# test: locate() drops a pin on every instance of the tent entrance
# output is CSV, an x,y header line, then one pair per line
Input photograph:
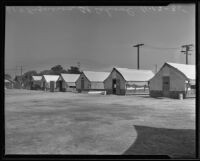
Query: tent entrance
x,y
114,86
166,86
60,86
82,83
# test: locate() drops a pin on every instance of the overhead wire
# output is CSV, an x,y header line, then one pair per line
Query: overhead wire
x,y
161,48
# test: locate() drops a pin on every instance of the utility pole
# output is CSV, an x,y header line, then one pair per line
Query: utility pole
x,y
21,70
16,71
187,48
138,54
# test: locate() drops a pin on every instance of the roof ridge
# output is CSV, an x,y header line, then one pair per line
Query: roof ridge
x,y
180,64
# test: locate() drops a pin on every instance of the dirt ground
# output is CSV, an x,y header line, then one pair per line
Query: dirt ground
x,y
38,122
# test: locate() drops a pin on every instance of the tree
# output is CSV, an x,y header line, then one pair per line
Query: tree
x,y
57,68
46,72
26,78
74,70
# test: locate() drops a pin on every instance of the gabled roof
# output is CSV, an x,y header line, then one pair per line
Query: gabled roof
x,y
70,77
7,81
49,78
37,78
135,74
96,76
187,70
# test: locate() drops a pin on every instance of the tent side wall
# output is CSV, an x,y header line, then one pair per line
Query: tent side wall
x,y
97,86
109,86
137,87
64,85
87,83
36,84
70,87
177,83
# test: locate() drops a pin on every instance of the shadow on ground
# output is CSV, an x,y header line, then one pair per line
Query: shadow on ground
x,y
147,96
176,143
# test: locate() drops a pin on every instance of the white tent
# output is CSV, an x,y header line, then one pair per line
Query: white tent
x,y
135,74
70,79
187,70
96,76
46,79
49,78
36,78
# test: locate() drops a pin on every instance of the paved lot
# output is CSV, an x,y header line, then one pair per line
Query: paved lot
x,y
40,122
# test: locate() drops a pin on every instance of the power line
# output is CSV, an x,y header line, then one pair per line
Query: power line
x,y
161,48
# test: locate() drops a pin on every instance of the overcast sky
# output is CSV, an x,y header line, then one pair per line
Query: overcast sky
x,y
98,37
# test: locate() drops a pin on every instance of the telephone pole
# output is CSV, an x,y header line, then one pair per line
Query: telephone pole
x,y
138,54
21,70
187,48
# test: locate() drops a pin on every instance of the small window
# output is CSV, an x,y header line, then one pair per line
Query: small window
x,y
193,86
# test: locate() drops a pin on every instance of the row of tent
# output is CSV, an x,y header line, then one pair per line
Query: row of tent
x,y
171,80
119,81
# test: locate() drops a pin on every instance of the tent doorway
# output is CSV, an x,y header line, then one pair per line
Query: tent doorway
x,y
166,86
60,86
82,83
114,86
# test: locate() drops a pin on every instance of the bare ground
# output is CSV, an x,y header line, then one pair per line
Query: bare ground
x,y
40,122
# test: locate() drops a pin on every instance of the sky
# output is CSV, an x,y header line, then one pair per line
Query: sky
x,y
100,38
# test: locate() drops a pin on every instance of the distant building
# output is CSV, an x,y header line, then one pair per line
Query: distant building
x,y
67,82
122,81
36,82
91,81
50,82
173,79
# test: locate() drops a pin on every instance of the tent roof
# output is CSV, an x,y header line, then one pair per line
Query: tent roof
x,y
37,78
9,80
70,77
187,70
6,81
96,76
135,74
49,78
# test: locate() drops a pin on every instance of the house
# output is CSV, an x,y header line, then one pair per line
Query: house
x,y
172,80
8,84
67,82
91,81
49,82
122,81
36,82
